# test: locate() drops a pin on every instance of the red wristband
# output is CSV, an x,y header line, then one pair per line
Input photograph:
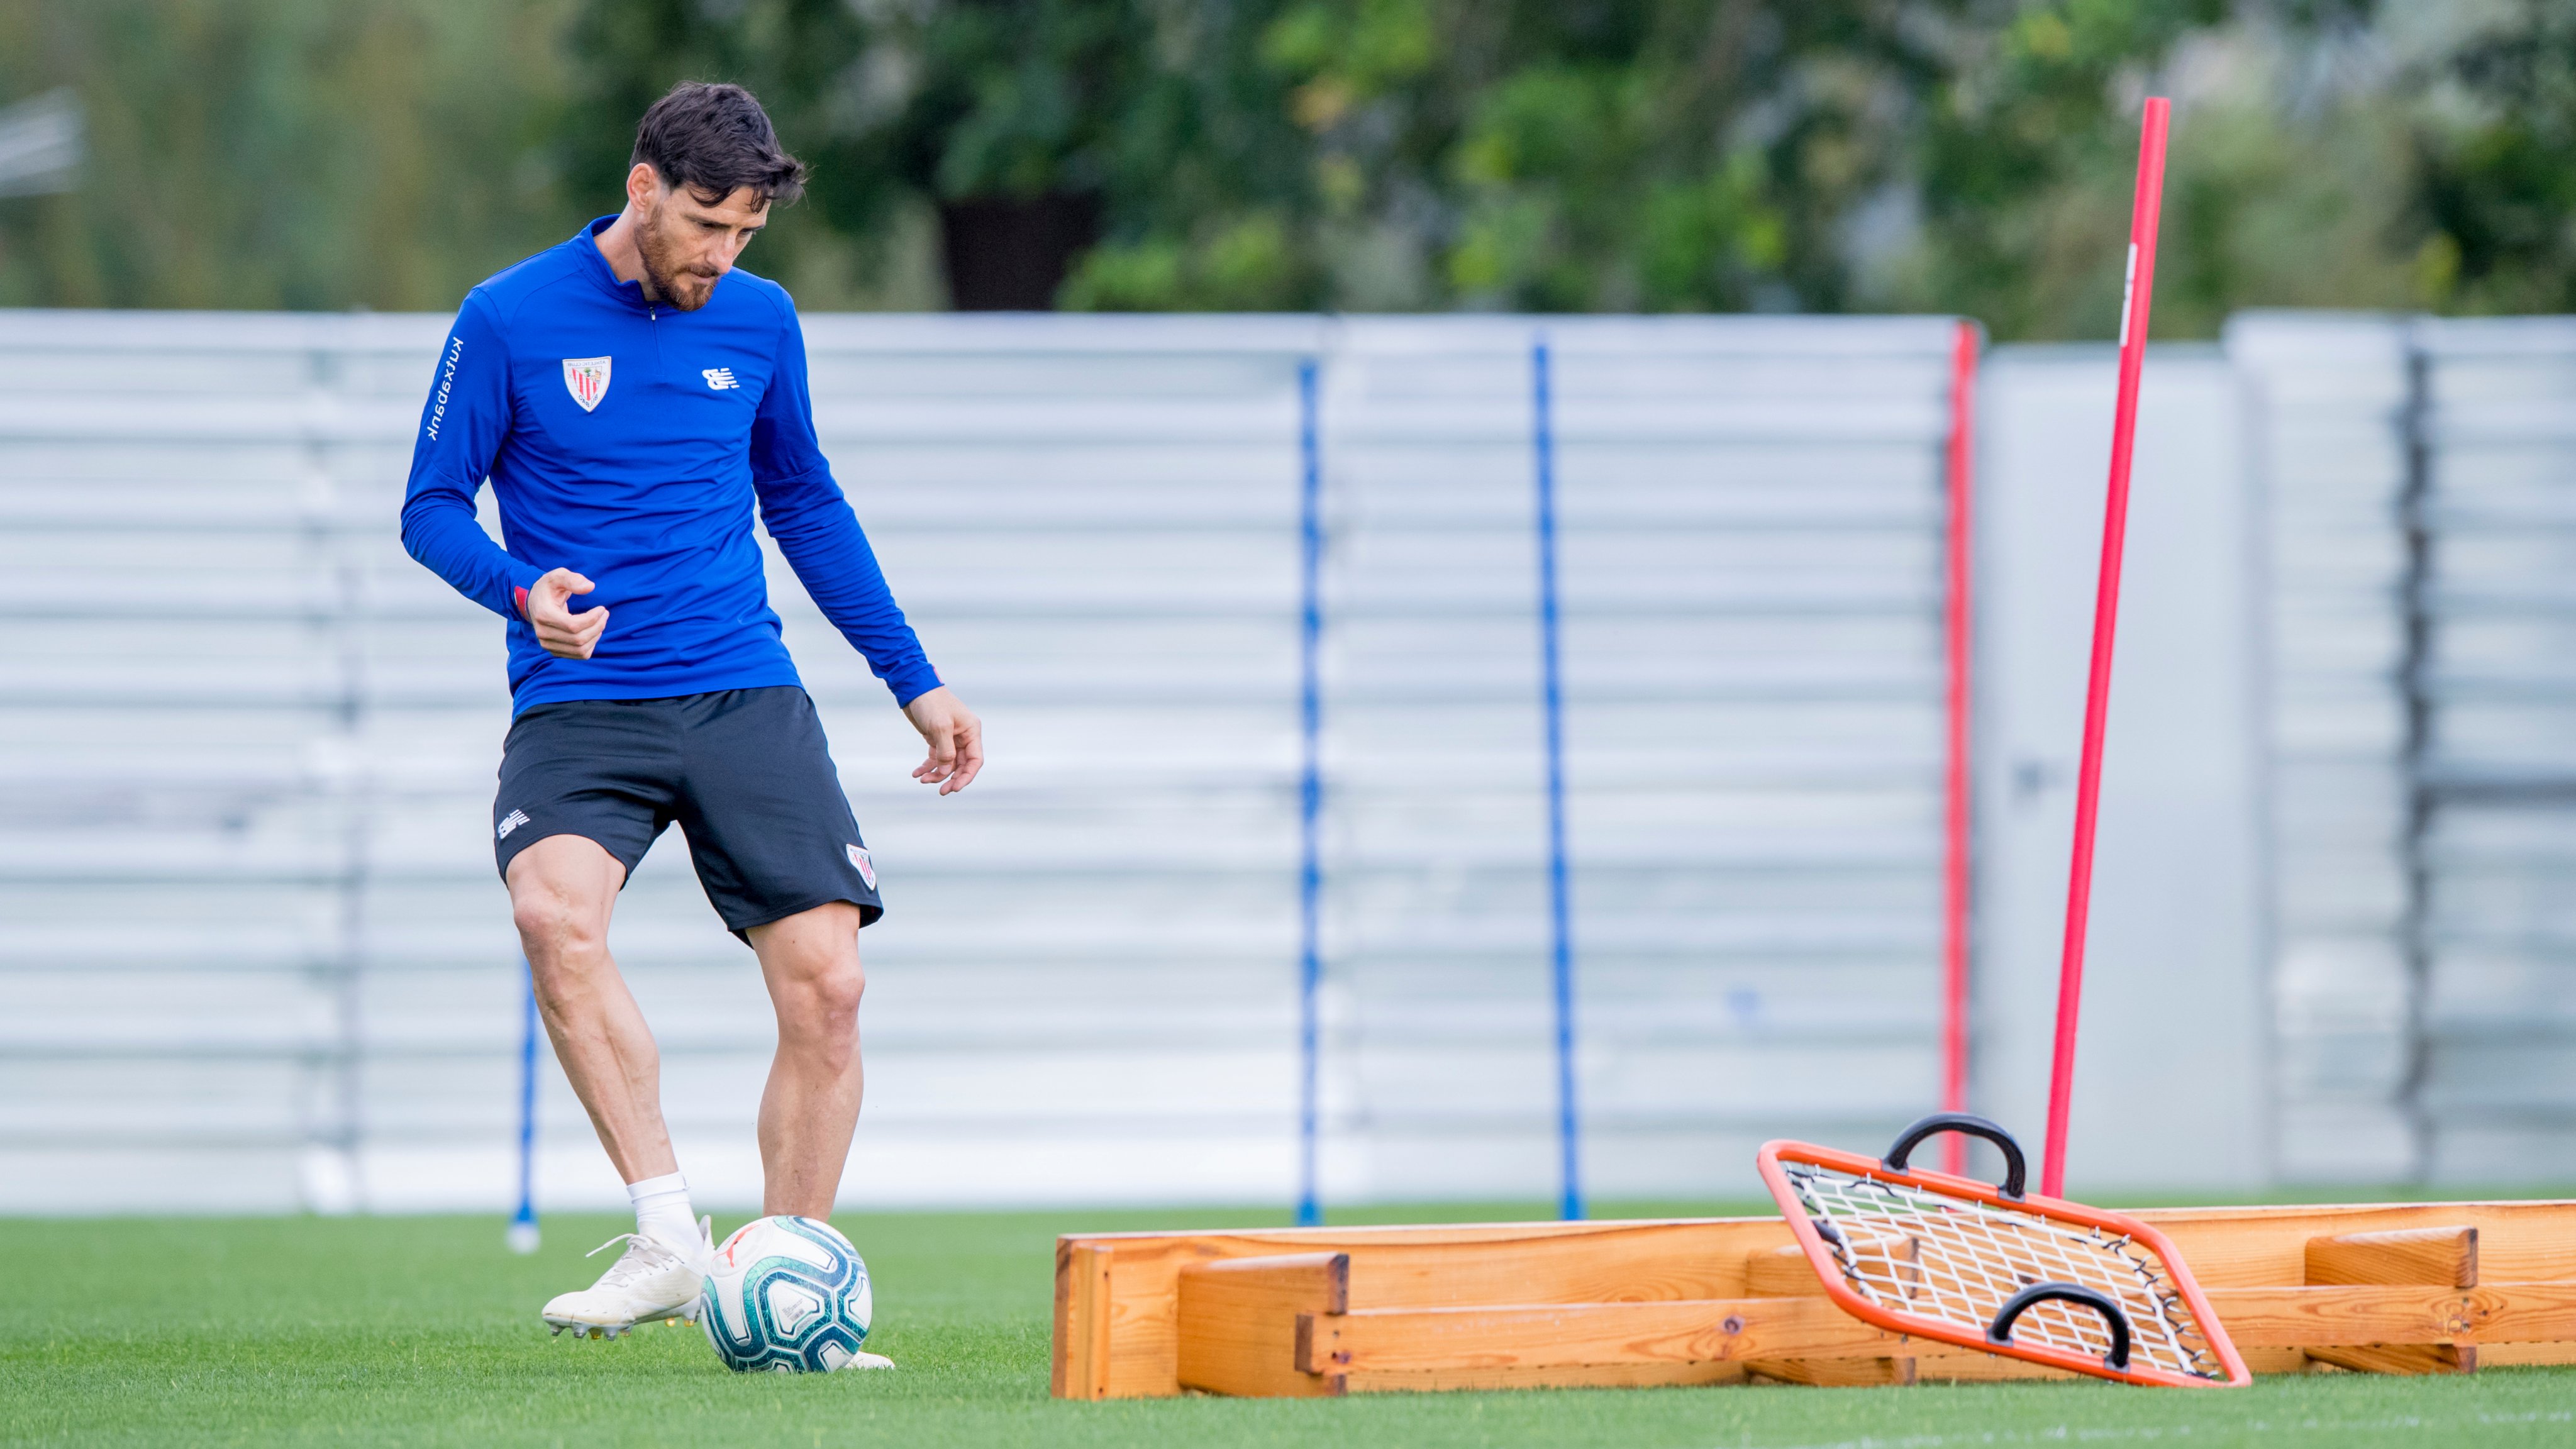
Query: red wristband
x,y
519,596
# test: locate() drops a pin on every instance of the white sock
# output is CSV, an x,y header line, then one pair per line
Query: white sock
x,y
662,1210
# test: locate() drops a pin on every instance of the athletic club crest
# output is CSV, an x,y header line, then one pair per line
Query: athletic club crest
x,y
586,378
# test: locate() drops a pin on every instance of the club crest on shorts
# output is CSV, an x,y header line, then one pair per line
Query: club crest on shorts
x,y
586,378
867,867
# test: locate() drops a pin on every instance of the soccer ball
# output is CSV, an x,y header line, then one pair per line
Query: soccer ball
x,y
788,1295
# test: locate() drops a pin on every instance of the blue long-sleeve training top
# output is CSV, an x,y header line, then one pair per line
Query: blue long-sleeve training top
x,y
629,442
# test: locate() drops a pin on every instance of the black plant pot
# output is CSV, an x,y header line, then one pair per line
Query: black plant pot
x,y
1006,254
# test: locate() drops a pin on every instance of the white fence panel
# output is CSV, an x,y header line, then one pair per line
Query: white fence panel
x,y
1751,522
2170,1091
2329,395
2495,1081
253,954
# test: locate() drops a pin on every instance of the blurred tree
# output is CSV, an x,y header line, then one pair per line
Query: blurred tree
x,y
287,153
2281,185
1663,155
2025,118
801,57
1816,155
1019,125
2495,173
1826,155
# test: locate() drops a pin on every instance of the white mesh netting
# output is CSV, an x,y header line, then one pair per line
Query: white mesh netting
x,y
1958,1260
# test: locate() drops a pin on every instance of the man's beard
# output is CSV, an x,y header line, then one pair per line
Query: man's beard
x,y
682,289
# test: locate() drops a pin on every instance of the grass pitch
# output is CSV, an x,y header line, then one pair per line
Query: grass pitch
x,y
423,1331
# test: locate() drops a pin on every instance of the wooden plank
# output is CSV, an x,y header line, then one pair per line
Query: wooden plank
x,y
1781,1273
2238,1247
1577,1335
1406,1266
2338,1316
1244,1324
1628,1263
2409,1359
1472,1235
1944,1364
2526,1355
2444,1256
1786,1273
2522,1312
1063,1343
2324,1317
1584,1376
2273,1362
1834,1373
1706,1259
1080,1363
1751,1330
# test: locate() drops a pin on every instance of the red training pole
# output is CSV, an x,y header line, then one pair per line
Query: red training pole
x,y
1954,883
2106,622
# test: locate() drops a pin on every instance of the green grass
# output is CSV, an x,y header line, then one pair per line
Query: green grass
x,y
423,1331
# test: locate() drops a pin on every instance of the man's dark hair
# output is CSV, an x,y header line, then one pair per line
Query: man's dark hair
x,y
715,139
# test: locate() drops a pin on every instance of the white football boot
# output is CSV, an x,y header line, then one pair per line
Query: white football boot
x,y
865,1359
650,1282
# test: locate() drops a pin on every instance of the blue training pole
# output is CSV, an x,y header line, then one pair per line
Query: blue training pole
x,y
1310,792
1560,906
523,1223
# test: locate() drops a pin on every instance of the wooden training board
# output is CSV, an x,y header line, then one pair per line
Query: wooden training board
x,y
2412,1287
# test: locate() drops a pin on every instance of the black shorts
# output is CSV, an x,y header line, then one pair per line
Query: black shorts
x,y
745,772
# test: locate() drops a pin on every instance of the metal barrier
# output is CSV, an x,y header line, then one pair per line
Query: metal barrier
x,y
254,955
2490,1080
2330,446
1751,569
2425,741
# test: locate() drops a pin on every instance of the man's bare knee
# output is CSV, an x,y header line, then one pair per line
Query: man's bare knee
x,y
548,921
834,991
819,992
561,889
815,979
818,1016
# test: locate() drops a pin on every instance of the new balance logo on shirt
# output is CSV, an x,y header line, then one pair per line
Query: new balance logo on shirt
x,y
510,822
719,378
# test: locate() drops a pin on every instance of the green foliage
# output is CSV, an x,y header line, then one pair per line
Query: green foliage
x,y
2495,192
1159,110
287,153
1667,155
1238,264
2025,160
1833,155
1022,101
2257,213
1569,155
796,55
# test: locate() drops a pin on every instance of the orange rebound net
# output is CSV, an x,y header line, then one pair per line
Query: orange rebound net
x,y
1980,1266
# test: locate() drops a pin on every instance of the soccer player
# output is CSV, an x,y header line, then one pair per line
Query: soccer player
x,y
632,397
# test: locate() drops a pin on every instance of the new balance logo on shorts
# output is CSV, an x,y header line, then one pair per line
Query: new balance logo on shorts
x,y
867,867
513,821
719,378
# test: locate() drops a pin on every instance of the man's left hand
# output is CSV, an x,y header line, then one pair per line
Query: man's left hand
x,y
956,740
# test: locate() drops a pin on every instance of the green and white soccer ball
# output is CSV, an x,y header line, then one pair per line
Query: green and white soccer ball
x,y
786,1295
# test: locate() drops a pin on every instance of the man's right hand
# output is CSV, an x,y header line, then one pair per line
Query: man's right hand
x,y
565,634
